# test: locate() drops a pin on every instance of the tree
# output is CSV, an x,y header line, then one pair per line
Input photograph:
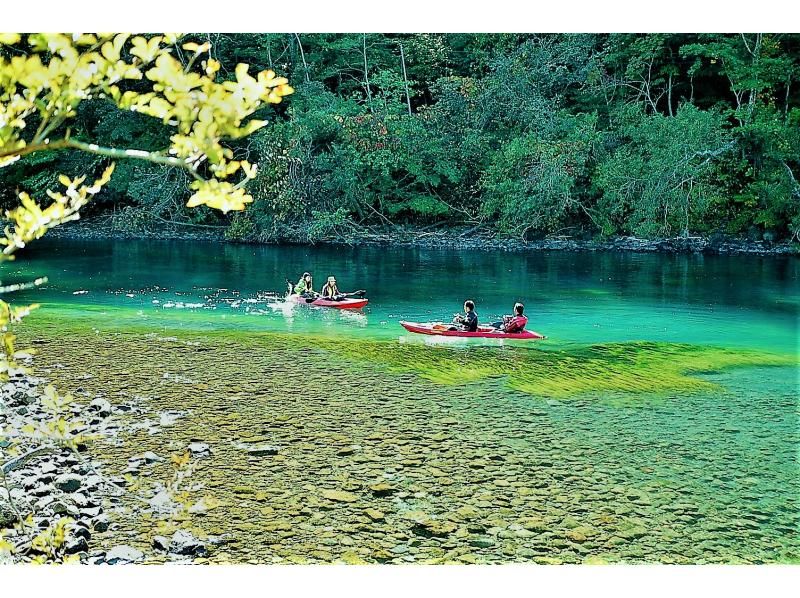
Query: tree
x,y
659,180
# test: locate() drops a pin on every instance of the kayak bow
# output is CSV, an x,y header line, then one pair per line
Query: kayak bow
x,y
441,329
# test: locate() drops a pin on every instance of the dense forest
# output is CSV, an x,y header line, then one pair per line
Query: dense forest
x,y
582,135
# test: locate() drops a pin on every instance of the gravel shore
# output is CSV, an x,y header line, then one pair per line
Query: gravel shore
x,y
454,238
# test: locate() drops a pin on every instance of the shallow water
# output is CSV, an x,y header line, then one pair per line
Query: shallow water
x,y
562,451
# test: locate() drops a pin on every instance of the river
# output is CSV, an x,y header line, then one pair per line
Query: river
x,y
657,423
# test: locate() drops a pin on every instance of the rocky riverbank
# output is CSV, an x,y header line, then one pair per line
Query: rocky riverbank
x,y
58,502
47,483
467,238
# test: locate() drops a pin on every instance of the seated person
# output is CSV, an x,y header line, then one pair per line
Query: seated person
x,y
305,286
515,323
469,321
330,290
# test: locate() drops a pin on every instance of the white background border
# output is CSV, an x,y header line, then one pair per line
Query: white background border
x,y
398,16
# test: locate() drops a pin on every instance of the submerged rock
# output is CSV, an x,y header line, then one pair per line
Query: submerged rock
x,y
263,450
382,489
374,514
150,457
200,450
339,496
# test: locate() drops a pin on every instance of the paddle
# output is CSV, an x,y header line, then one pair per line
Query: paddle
x,y
342,296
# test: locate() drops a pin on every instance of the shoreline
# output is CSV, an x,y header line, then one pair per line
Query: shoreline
x,y
453,238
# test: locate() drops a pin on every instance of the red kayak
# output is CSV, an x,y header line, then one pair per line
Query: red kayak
x,y
440,329
342,304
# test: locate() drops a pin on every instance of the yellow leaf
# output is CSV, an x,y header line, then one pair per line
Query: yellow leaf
x,y
8,39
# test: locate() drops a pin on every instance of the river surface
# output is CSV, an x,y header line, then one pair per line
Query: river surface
x,y
732,301
483,467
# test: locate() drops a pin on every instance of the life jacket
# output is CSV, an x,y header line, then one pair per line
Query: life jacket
x,y
301,287
330,291
471,321
516,324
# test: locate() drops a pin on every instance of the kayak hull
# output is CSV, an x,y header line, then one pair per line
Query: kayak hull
x,y
343,304
441,329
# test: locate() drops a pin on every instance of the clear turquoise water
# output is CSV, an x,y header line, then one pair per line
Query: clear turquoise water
x,y
730,301
705,477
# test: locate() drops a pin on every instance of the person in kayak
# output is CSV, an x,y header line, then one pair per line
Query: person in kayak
x,y
305,286
330,290
469,321
513,323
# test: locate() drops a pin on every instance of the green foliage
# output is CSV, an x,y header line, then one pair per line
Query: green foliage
x,y
650,134
530,185
660,179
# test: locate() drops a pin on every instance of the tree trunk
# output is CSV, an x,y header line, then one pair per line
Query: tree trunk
x,y
366,73
669,95
302,56
405,79
786,98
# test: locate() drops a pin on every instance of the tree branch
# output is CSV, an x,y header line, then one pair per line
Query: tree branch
x,y
110,152
13,464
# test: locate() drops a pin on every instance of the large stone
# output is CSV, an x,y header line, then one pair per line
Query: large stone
x,y
91,512
184,543
7,516
150,457
122,554
61,508
199,450
79,531
100,523
76,545
100,406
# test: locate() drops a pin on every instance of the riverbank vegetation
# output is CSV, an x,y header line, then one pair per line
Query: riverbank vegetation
x,y
653,135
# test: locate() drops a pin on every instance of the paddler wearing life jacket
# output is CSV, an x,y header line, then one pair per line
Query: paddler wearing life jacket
x,y
469,321
330,290
513,323
305,286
